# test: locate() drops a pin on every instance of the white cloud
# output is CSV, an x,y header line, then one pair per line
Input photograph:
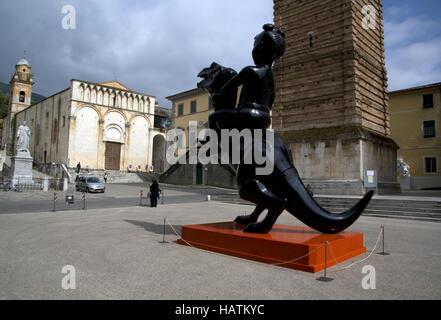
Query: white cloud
x,y
156,47
409,30
412,55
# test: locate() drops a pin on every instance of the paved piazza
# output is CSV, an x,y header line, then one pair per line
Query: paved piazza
x,y
117,254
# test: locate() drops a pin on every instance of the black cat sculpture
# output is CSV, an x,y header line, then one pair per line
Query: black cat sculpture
x,y
283,188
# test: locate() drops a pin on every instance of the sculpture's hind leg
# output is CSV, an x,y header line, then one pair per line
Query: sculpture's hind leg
x,y
245,220
266,224
255,191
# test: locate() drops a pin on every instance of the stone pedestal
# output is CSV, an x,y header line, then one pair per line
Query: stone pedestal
x,y
45,184
405,183
21,168
333,160
65,184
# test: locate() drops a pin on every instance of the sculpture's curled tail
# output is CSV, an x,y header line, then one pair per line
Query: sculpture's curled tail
x,y
303,206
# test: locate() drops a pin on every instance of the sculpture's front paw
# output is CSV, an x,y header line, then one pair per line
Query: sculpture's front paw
x,y
257,228
245,220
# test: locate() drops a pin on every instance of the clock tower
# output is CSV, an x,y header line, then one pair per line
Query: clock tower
x,y
19,99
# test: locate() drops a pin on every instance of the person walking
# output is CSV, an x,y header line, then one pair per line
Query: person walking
x,y
78,167
309,189
154,193
105,177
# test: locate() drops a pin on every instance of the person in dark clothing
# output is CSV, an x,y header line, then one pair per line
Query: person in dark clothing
x,y
78,167
309,189
105,177
154,193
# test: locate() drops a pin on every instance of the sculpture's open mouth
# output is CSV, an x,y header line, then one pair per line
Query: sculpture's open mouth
x,y
209,75
204,84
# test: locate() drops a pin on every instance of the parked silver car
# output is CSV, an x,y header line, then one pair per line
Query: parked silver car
x,y
90,184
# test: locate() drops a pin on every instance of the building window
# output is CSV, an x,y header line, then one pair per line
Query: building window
x,y
428,101
193,106
22,96
429,129
180,109
430,165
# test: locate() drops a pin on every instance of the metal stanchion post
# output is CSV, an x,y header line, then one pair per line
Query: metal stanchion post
x,y
140,199
83,196
55,200
325,278
383,253
162,198
163,234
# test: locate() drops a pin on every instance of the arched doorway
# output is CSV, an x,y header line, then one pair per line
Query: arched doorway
x,y
113,155
113,145
159,151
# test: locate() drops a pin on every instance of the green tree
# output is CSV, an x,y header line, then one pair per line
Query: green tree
x,y
4,105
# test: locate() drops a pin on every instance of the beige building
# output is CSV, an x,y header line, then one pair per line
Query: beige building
x,y
194,105
105,126
415,126
191,105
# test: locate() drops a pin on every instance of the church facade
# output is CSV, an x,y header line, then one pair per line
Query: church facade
x,y
105,126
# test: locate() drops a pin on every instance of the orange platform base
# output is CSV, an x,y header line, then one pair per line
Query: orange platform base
x,y
283,243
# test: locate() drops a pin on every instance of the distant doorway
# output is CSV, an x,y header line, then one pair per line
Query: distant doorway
x,y
113,155
159,153
199,174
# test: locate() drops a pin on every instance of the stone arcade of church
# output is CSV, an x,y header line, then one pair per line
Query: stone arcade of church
x,y
105,126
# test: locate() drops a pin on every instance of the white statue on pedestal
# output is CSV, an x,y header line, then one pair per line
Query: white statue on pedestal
x,y
403,168
23,134
22,162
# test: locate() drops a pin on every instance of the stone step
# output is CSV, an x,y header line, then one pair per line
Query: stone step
x,y
116,176
403,209
40,175
409,207
391,211
414,217
375,203
382,202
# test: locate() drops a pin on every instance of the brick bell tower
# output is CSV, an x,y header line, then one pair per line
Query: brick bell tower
x,y
20,93
331,103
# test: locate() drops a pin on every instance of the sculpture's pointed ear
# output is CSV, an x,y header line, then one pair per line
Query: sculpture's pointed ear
x,y
281,33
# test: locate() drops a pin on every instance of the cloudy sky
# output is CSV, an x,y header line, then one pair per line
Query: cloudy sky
x,y
158,46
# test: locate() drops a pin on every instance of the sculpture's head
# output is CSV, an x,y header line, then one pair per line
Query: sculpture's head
x,y
268,45
214,77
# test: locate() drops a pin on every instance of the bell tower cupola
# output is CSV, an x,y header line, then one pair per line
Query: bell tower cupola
x,y
20,94
21,87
